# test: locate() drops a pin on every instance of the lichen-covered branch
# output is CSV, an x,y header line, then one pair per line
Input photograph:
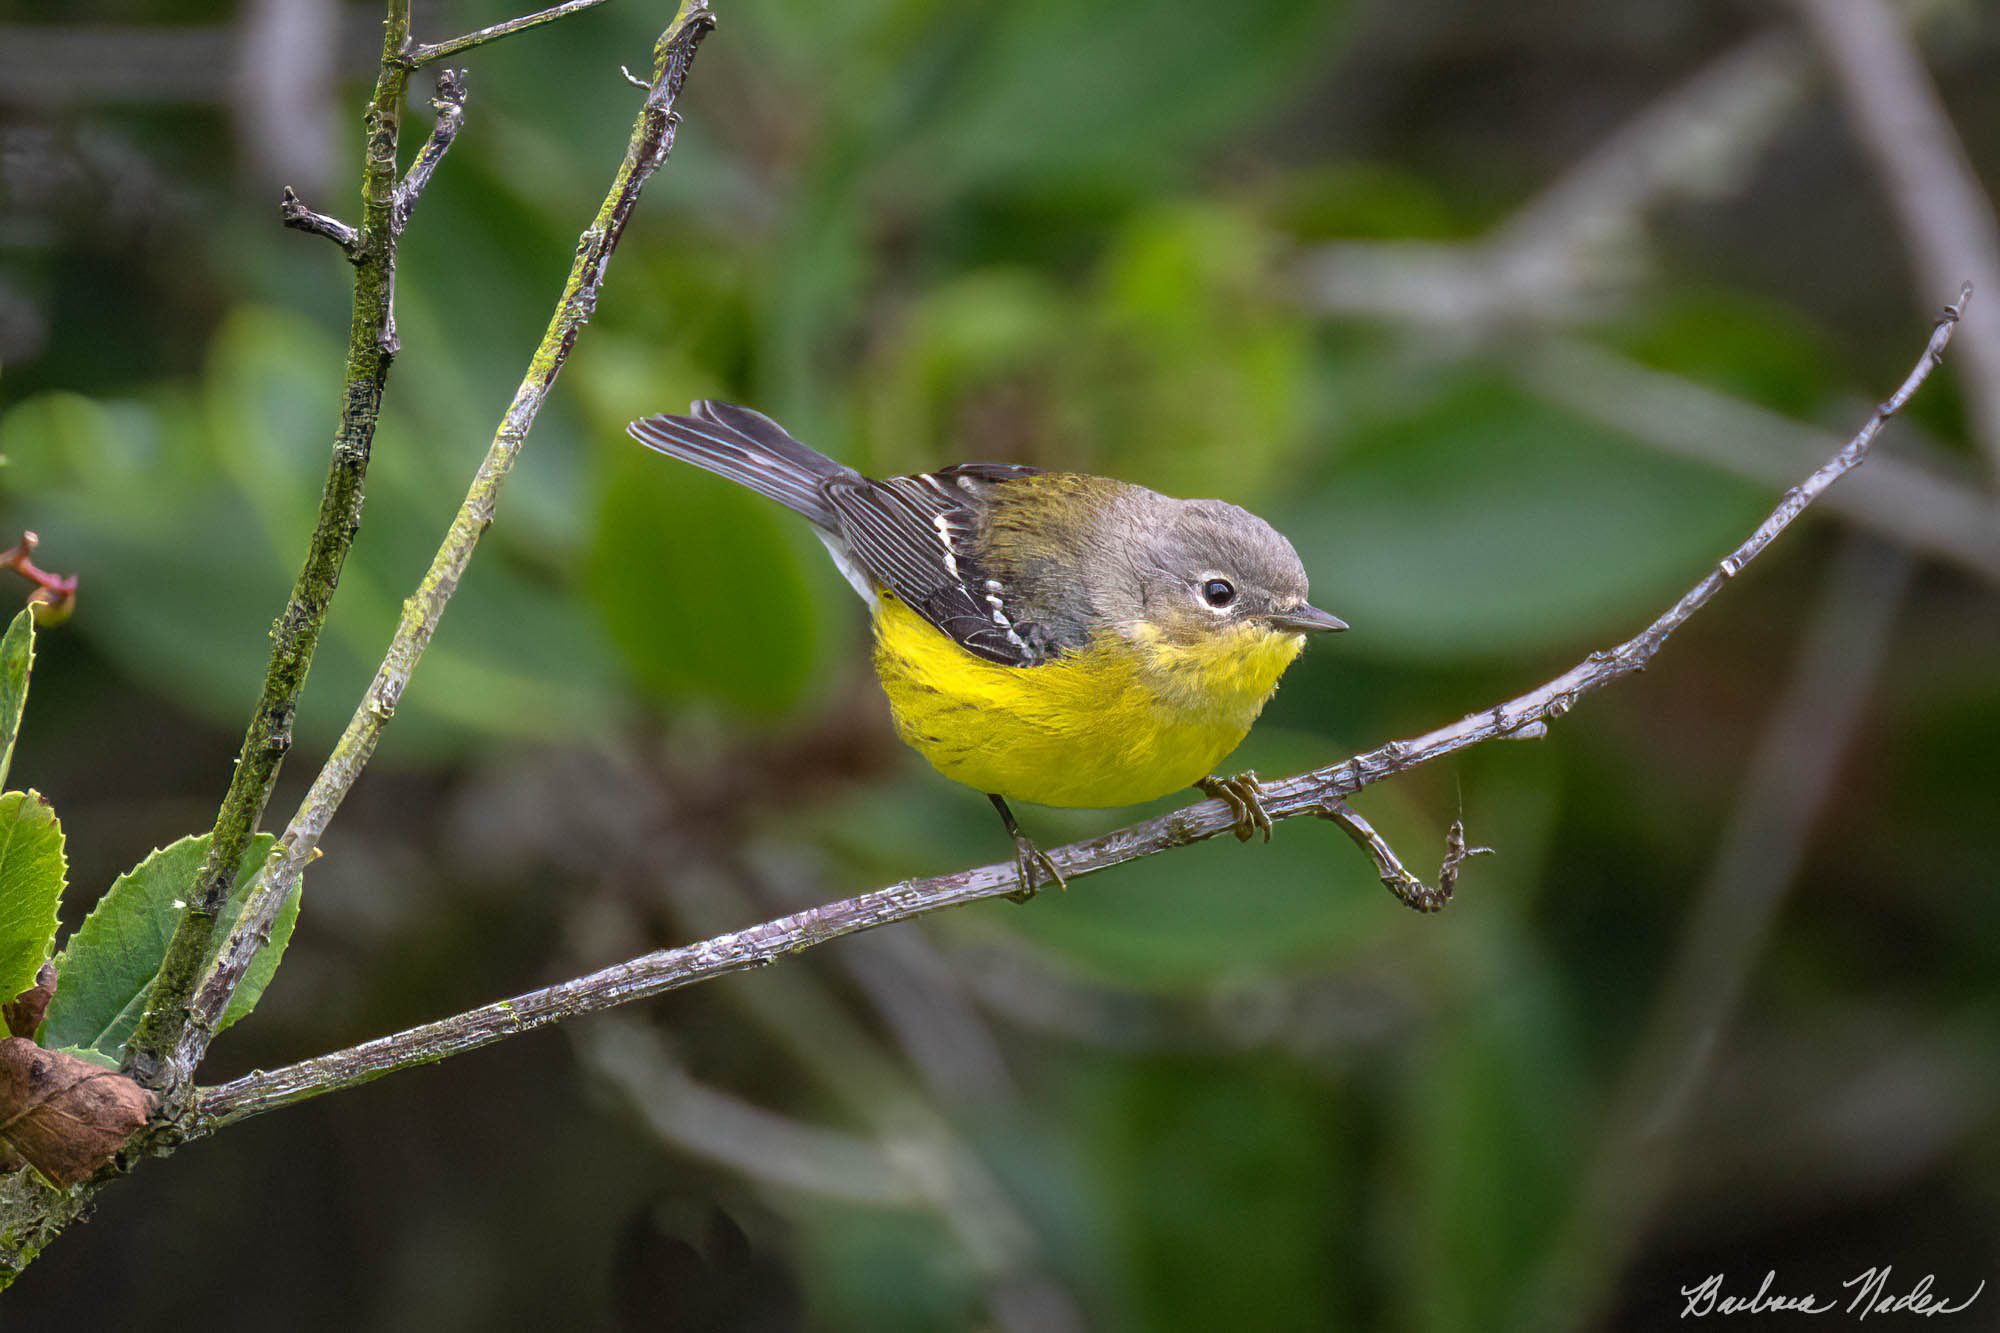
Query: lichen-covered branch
x,y
1318,792
295,636
652,139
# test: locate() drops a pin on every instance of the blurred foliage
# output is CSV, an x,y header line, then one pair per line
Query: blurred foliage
x,y
1062,232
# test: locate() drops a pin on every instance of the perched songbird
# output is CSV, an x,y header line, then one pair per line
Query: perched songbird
x,y
1043,636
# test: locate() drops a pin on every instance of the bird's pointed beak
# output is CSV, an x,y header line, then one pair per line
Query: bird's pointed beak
x,y
1304,619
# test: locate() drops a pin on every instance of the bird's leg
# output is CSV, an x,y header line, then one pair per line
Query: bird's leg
x,y
1028,858
1245,799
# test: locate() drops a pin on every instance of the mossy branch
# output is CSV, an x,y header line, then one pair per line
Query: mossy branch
x,y
177,1028
651,140
295,636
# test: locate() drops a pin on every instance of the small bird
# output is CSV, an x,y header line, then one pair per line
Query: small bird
x,y
1051,637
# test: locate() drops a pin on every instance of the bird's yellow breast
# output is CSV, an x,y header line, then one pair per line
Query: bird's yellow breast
x,y
1127,719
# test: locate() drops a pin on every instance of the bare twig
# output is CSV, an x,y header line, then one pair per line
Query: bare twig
x,y
1396,877
651,140
416,57
1790,778
296,634
1308,793
292,211
1947,223
449,103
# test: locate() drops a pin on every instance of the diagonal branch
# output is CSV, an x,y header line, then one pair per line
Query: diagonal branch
x,y
295,636
652,139
1316,793
429,53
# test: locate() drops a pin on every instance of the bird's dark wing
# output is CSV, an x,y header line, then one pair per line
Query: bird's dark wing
x,y
918,534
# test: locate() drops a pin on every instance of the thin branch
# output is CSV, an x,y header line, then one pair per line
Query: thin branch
x,y
1396,877
651,140
296,633
416,57
1309,793
449,103
292,211
1947,223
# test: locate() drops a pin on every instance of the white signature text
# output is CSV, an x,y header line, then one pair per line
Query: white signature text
x,y
1867,1292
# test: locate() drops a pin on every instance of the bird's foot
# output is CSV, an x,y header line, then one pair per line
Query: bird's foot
x,y
1245,798
1030,864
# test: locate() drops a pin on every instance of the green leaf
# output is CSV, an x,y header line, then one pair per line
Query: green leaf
x,y
31,883
17,658
106,970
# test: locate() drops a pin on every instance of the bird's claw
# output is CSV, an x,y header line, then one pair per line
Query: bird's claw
x,y
1030,863
1245,798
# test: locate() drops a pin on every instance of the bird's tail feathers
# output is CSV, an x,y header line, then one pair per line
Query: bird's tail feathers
x,y
749,449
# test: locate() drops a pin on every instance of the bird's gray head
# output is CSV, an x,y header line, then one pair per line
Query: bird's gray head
x,y
1204,567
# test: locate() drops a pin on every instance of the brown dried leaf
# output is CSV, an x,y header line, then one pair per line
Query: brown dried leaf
x,y
24,1013
66,1116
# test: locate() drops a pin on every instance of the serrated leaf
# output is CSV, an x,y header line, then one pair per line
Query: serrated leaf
x,y
106,968
31,884
17,658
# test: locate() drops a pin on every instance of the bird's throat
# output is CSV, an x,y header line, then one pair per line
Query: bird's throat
x,y
1225,675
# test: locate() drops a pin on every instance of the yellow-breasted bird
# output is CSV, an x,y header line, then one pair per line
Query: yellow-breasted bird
x,y
1043,636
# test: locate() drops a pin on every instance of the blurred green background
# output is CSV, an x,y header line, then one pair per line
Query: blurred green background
x,y
1723,1001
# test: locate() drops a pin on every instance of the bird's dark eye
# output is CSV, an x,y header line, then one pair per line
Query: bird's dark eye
x,y
1218,592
